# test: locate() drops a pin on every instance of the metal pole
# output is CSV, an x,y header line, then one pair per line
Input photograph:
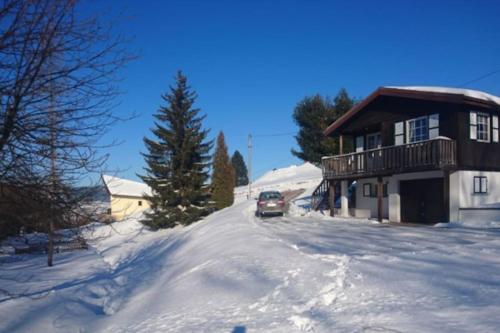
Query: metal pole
x,y
249,166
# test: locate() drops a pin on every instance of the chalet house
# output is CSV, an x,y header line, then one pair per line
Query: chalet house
x,y
420,154
125,196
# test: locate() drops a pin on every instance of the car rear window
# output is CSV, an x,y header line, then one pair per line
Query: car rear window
x,y
270,195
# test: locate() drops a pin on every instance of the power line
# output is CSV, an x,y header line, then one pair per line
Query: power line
x,y
274,134
479,78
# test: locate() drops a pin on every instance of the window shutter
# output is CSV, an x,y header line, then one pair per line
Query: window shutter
x,y
477,184
399,134
484,185
433,126
360,143
473,125
367,190
494,126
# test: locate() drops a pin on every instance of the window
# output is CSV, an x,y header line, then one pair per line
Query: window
x,y
480,184
109,211
370,190
373,141
140,203
367,190
480,127
418,129
483,127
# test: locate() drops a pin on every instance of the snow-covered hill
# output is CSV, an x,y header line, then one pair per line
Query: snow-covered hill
x,y
233,272
305,176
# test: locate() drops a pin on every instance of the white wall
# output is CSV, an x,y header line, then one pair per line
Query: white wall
x,y
370,203
462,196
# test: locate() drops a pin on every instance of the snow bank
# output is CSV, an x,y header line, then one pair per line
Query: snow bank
x,y
234,272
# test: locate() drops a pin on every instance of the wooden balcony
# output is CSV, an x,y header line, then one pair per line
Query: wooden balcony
x,y
434,154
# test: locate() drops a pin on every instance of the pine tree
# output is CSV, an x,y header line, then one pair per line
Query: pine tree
x,y
240,169
223,176
177,161
313,115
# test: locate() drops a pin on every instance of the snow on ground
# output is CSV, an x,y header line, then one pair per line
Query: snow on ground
x,y
234,272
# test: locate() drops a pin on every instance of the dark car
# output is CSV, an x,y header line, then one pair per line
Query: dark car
x,y
270,202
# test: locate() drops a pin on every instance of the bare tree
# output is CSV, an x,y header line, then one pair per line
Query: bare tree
x,y
57,91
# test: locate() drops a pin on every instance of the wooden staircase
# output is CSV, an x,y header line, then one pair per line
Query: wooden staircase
x,y
319,198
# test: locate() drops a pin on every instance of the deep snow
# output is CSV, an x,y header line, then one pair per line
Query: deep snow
x,y
233,272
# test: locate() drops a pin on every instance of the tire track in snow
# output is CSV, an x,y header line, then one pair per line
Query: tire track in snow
x,y
325,296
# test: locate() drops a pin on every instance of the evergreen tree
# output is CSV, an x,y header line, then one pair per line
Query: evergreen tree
x,y
240,169
313,115
222,176
177,161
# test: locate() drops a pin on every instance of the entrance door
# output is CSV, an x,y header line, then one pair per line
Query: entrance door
x,y
422,201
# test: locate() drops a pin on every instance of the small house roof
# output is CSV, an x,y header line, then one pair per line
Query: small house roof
x,y
430,93
125,187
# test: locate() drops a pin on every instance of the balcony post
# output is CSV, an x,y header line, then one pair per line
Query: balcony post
x,y
446,193
379,198
331,197
394,199
344,202
341,144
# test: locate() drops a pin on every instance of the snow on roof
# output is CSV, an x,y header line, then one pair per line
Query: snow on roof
x,y
120,186
457,91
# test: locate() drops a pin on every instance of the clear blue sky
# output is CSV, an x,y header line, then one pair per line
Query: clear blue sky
x,y
251,61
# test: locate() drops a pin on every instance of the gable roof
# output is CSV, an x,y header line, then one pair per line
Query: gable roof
x,y
439,94
125,187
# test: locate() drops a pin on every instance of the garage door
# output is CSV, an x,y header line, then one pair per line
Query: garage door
x,y
422,201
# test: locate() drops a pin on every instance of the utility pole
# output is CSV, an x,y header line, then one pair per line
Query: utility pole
x,y
249,166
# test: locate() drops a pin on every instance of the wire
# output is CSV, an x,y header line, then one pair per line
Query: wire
x,y
479,78
275,134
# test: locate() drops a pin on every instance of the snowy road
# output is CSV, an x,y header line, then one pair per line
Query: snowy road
x,y
234,272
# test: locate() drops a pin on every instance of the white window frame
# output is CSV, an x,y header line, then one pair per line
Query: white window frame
x,y
408,134
488,126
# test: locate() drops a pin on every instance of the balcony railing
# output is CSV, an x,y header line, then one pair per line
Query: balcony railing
x,y
439,153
